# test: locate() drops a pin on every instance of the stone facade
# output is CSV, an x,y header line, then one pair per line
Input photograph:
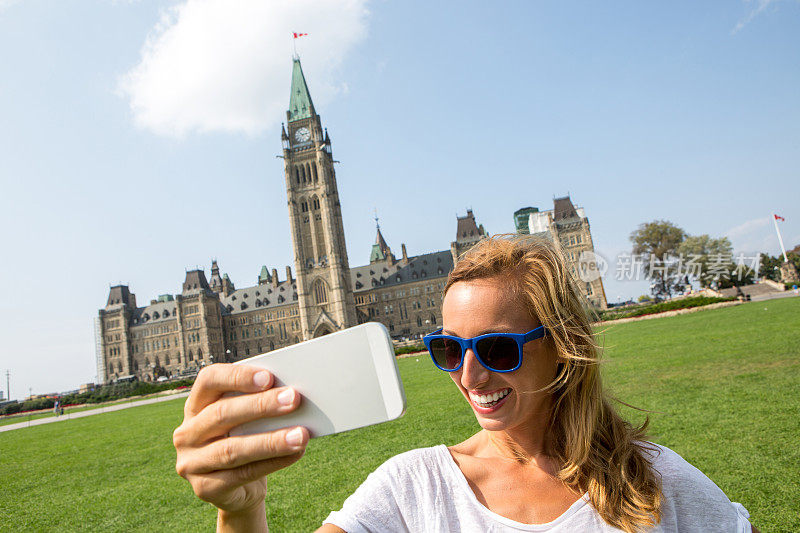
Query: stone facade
x,y
568,227
213,321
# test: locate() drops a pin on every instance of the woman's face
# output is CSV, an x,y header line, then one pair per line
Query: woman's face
x,y
472,308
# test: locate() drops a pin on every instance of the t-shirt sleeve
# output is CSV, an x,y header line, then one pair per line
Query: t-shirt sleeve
x,y
692,502
373,506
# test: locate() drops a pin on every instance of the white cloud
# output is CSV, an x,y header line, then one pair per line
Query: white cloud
x,y
756,235
748,227
760,6
5,4
216,65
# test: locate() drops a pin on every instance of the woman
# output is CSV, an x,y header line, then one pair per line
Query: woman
x,y
552,454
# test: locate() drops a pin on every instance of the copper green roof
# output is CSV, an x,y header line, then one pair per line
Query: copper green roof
x,y
264,275
376,254
299,100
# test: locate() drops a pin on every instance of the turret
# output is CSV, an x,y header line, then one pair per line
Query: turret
x,y
215,282
264,277
121,295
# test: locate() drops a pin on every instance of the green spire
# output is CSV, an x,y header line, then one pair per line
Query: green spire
x,y
264,277
300,100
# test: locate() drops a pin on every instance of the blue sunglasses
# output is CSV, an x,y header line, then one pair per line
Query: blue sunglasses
x,y
498,352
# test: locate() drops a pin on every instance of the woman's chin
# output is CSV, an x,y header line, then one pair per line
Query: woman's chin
x,y
491,424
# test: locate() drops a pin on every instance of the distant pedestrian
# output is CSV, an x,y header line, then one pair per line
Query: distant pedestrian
x,y
56,406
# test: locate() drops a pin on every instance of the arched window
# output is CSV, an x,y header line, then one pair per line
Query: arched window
x,y
419,321
320,292
314,171
158,361
297,175
199,353
190,356
433,319
303,173
110,368
166,360
119,366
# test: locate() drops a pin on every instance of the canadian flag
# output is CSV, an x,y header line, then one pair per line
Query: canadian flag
x,y
779,218
296,35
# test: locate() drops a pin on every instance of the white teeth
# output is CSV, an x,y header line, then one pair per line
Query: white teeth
x,y
487,400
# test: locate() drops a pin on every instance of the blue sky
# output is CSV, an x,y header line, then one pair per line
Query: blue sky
x,y
138,139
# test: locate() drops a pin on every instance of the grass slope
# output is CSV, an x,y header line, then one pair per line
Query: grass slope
x,y
723,387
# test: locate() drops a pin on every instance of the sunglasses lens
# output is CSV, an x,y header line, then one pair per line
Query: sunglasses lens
x,y
499,353
446,353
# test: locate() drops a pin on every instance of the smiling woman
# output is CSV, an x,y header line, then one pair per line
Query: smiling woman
x,y
552,454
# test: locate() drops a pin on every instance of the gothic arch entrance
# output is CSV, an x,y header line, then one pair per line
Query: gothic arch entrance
x,y
324,329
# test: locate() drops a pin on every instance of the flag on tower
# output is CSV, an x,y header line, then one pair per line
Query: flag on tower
x,y
296,35
779,218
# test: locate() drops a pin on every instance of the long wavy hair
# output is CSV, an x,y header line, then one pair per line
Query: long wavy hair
x,y
597,451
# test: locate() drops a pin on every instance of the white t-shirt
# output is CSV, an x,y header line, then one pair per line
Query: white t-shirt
x,y
424,490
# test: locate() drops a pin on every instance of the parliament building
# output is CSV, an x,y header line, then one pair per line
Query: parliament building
x,y
213,321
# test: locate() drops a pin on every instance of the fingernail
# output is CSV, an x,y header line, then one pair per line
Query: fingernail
x,y
286,397
261,379
294,437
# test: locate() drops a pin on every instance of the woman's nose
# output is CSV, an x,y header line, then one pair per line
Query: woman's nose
x,y
473,372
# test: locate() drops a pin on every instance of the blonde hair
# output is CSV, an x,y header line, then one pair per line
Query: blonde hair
x,y
596,449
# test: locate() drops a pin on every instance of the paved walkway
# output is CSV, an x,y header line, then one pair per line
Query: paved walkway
x,y
90,412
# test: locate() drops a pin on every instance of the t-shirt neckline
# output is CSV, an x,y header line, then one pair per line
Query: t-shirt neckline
x,y
446,458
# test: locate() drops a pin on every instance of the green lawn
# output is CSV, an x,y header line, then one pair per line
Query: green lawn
x,y
723,387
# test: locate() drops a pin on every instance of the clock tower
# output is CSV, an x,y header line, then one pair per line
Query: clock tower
x,y
324,294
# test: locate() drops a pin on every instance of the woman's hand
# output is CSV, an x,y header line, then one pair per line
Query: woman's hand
x,y
230,472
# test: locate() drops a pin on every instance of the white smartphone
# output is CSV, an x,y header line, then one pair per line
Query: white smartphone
x,y
348,379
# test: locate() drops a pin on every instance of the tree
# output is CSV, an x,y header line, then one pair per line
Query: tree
x,y
771,267
710,260
659,241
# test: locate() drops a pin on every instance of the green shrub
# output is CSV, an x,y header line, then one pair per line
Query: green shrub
x,y
409,349
11,408
683,303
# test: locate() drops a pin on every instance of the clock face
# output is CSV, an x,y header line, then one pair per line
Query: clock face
x,y
302,135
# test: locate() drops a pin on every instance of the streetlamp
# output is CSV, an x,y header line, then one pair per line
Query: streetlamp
x,y
228,355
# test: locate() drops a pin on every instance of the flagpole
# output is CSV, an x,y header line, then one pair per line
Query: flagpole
x,y
294,45
780,239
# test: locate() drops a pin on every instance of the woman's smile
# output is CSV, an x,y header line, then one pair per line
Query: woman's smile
x,y
488,401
